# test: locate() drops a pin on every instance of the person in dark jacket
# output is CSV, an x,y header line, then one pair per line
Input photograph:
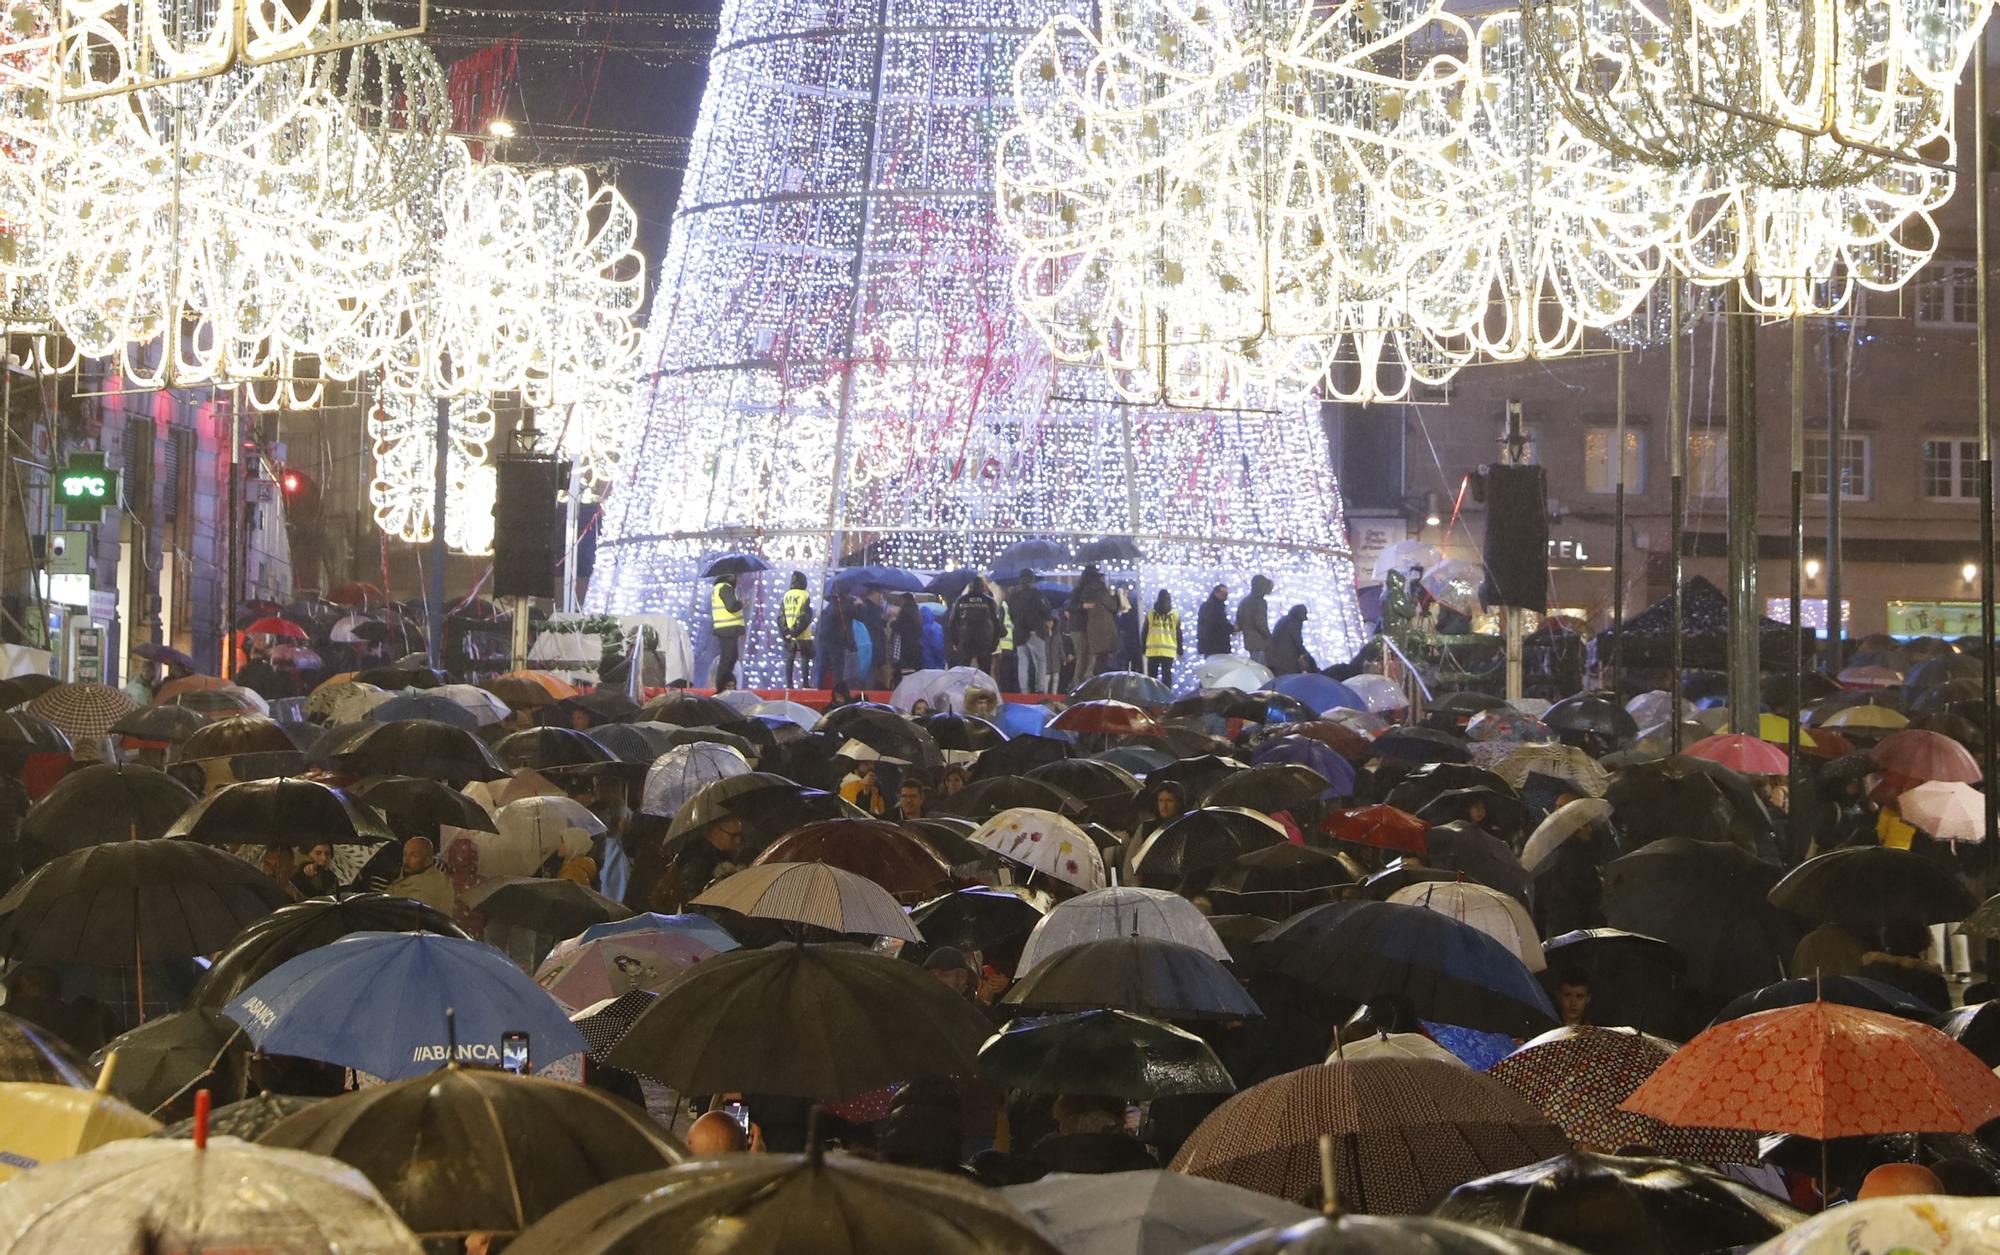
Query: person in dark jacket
x,y
1286,653
972,629
1905,962
872,614
1034,628
906,638
1212,628
1253,618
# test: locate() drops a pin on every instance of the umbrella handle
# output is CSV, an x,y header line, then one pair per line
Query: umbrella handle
x,y
1329,1180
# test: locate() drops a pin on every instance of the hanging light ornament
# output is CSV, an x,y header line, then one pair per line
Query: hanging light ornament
x,y
1217,205
402,431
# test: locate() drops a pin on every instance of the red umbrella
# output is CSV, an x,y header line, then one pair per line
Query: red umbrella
x,y
1748,754
1114,718
357,593
1921,755
278,627
1384,827
1822,1070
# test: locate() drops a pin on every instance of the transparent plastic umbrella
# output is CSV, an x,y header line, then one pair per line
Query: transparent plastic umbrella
x,y
1227,671
680,773
1455,583
532,829
1123,911
170,1195
1379,691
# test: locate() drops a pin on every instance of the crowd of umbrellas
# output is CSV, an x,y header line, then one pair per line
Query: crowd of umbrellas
x,y
449,967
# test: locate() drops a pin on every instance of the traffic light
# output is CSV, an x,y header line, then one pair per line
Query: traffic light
x,y
301,492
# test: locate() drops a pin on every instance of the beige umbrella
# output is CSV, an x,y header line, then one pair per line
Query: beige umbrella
x,y
812,893
1499,915
1392,1046
1563,823
1564,762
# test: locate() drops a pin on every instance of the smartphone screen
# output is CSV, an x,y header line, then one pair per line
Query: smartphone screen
x,y
514,1052
739,1113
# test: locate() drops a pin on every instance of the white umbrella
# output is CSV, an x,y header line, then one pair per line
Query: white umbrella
x,y
812,893
1947,809
680,773
745,700
1366,722
1393,1046
1492,912
1229,671
862,752
1148,1212
531,831
942,690
1123,911
1564,822
798,712
344,631
1656,706
1381,693
1044,842
485,708
1535,706
353,705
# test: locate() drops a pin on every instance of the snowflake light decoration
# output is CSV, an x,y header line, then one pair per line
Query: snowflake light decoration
x,y
402,430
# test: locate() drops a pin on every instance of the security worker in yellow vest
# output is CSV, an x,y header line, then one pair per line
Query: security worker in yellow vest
x,y
796,626
1163,639
727,620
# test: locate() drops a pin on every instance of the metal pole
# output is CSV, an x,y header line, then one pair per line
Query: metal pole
x,y
232,583
7,450
1745,696
1986,660
517,646
1799,549
434,598
1836,424
1618,533
570,538
1676,497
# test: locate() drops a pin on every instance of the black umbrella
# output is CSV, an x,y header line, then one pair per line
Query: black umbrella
x,y
164,1061
689,710
133,901
294,812
1849,1159
1450,712
1143,975
736,737
18,689
1269,788
1417,789
100,803
1707,899
1618,1205
1284,708
292,930
768,806
602,1028
23,735
1102,787
797,1204
1975,1026
1285,868
1672,797
1874,884
1221,703
1189,850
852,1021
1113,1053
735,564
464,1150
551,907
979,917
1635,981
1481,856
1852,991
543,748
1597,714
1440,968
1420,745
161,723
1020,755
411,806
399,677
890,735
950,838
416,747
1364,1235
638,743
967,733
983,799
1191,777
249,1119
232,735
1123,686
603,705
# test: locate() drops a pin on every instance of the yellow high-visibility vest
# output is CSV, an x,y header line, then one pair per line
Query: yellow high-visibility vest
x,y
1163,634
796,600
720,617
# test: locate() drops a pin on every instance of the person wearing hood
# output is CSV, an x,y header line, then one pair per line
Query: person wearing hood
x,y
795,625
1212,629
1286,654
1253,618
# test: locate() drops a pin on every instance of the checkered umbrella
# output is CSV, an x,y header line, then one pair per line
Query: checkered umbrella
x,y
1405,1132
1578,1076
85,712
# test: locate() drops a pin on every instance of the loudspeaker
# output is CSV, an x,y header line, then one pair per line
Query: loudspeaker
x,y
527,531
1517,538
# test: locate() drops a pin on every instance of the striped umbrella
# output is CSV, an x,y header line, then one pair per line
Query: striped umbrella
x,y
1405,1132
1578,1076
85,712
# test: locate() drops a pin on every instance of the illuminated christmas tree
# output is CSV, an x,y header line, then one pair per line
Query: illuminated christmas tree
x,y
836,368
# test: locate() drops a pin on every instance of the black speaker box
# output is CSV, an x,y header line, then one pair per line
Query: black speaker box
x,y
527,526
1517,538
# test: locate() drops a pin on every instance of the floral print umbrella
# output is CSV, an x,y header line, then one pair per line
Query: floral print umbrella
x,y
1044,842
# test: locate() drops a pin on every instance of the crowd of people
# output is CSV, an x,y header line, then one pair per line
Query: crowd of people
x,y
1131,931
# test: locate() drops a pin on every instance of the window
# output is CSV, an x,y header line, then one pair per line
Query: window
x,y
1948,295
1708,463
1598,474
1951,469
1857,467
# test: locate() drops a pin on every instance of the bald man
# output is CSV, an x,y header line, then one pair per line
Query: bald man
x,y
1890,1180
422,878
718,1134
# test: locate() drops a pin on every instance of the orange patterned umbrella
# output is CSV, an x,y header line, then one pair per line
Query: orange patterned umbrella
x,y
1822,1070
188,684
